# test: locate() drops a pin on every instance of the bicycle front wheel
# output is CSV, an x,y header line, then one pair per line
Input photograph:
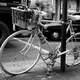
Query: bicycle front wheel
x,y
19,52
73,45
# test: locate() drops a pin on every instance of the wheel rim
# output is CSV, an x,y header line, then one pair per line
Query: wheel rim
x,y
13,61
3,36
73,44
0,34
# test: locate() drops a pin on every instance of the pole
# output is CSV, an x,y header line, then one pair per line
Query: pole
x,y
63,40
77,3
57,9
28,3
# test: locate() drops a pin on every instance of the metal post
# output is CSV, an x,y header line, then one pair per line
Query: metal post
x,y
77,3
28,3
63,40
57,9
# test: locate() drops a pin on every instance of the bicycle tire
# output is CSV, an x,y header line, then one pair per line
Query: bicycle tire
x,y
4,32
14,62
72,44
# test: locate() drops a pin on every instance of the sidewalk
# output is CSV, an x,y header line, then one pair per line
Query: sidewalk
x,y
39,73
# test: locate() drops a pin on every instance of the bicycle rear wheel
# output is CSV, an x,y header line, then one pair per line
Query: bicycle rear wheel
x,y
18,52
73,45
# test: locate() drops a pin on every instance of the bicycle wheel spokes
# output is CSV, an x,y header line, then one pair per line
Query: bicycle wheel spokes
x,y
27,46
12,60
73,45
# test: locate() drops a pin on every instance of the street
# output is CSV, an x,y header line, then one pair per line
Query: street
x,y
39,71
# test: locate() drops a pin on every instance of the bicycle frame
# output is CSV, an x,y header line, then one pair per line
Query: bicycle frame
x,y
42,52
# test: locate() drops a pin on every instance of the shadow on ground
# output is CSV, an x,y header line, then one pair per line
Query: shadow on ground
x,y
71,73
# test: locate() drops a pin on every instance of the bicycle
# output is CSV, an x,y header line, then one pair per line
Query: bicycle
x,y
27,46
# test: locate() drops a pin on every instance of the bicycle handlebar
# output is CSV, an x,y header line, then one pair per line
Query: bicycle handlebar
x,y
38,17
